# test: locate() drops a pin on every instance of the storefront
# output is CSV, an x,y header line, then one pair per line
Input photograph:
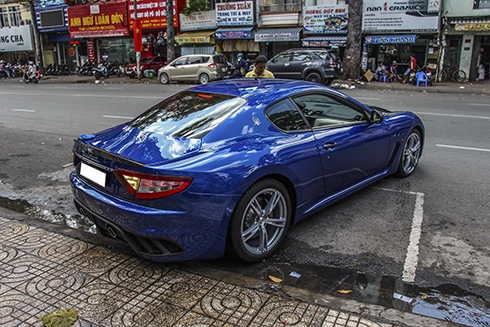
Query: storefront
x,y
103,27
197,33
152,19
16,44
393,32
274,40
52,24
326,26
235,22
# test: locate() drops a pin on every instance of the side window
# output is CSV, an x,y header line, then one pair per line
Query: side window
x,y
180,62
285,116
323,110
195,60
283,57
301,56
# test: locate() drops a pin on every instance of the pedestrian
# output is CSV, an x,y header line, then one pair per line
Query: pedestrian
x,y
411,68
259,70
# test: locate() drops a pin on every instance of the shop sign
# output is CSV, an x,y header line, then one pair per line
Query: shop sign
x,y
17,38
152,14
473,27
245,34
203,20
193,39
47,3
235,13
276,37
91,50
325,19
391,39
98,20
396,15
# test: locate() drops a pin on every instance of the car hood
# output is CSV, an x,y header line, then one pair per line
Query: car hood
x,y
145,147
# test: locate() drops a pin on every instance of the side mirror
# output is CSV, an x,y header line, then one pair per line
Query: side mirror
x,y
376,116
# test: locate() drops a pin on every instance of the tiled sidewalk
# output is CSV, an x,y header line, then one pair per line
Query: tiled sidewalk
x,y
43,271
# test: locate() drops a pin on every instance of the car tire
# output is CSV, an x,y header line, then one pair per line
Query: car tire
x,y
328,82
204,78
410,155
164,79
314,77
251,222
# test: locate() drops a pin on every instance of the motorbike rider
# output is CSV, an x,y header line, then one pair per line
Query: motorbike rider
x,y
3,68
31,70
241,68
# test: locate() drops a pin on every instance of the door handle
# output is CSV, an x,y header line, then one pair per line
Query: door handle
x,y
329,145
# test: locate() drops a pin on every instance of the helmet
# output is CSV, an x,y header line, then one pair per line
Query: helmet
x,y
240,55
30,63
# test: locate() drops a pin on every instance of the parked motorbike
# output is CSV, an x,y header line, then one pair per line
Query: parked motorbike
x,y
100,71
114,68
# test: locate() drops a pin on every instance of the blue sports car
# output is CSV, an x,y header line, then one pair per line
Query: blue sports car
x,y
232,164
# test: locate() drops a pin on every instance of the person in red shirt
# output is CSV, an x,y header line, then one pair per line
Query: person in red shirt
x,y
411,69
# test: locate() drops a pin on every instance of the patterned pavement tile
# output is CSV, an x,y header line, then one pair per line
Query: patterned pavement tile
x,y
12,230
136,274
18,309
141,312
192,319
97,300
283,312
96,261
23,268
180,288
231,303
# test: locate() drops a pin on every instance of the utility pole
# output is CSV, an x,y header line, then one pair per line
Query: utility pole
x,y
137,41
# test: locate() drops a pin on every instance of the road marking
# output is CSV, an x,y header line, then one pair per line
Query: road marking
x,y
24,110
361,98
462,147
479,104
412,257
117,117
452,115
90,95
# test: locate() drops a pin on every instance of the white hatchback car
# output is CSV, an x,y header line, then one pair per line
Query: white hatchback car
x,y
196,67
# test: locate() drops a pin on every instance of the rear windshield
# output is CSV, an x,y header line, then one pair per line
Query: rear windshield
x,y
219,60
323,54
187,114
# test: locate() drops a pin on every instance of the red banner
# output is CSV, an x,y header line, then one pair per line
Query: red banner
x,y
98,20
153,14
137,35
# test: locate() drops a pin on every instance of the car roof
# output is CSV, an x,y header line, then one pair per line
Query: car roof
x,y
261,91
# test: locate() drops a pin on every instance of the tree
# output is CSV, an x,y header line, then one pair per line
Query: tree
x,y
352,54
170,31
38,58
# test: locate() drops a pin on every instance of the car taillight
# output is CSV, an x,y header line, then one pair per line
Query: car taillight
x,y
333,63
146,186
212,65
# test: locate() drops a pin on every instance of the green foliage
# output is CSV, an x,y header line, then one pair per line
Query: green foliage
x,y
195,5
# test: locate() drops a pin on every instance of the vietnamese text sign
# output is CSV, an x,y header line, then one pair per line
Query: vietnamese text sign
x,y
153,14
234,13
111,20
473,27
203,20
325,19
391,39
17,38
396,15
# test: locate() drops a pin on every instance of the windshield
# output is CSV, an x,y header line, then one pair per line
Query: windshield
x,y
187,114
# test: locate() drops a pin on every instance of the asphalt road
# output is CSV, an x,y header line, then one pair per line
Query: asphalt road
x,y
426,231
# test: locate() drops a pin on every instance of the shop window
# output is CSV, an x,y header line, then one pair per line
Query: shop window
x,y
14,13
4,18
481,4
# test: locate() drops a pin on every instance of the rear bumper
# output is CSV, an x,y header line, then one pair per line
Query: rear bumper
x,y
156,234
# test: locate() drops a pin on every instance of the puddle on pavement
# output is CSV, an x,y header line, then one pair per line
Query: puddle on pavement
x,y
446,302
75,221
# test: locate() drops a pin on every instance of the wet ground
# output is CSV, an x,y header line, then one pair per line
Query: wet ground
x,y
445,302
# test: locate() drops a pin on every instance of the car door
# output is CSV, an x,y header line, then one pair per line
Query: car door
x,y
279,65
351,147
300,60
194,67
176,70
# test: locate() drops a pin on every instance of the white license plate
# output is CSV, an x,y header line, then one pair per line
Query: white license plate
x,y
93,174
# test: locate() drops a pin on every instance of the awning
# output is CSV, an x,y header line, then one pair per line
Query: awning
x,y
279,34
195,37
324,41
473,20
234,32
